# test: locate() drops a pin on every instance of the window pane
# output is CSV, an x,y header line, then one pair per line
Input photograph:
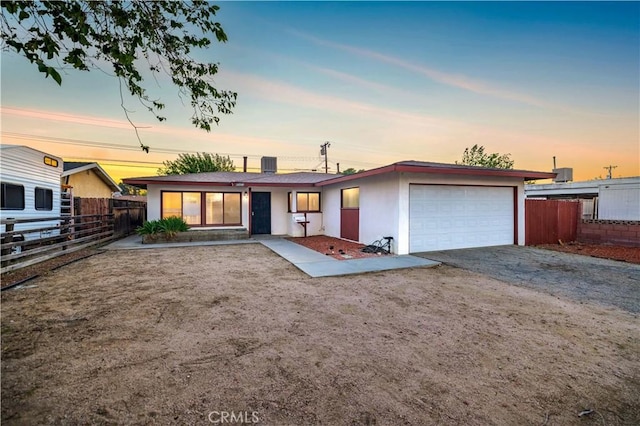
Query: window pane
x,y
232,209
314,202
351,198
44,199
302,200
191,212
171,204
12,197
214,208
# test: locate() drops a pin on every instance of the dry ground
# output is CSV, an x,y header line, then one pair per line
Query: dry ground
x,y
604,251
167,336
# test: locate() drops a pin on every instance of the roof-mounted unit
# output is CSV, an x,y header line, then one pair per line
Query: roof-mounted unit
x,y
269,165
565,174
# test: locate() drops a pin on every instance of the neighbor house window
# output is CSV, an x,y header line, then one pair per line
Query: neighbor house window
x,y
223,208
44,199
306,202
204,208
351,198
12,197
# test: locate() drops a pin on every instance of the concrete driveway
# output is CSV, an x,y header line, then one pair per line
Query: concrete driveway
x,y
580,278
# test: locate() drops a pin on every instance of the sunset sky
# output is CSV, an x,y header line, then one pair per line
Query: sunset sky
x,y
383,82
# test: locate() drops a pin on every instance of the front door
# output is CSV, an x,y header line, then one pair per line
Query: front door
x,y
260,213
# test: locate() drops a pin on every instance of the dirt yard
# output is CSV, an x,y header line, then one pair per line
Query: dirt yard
x,y
185,335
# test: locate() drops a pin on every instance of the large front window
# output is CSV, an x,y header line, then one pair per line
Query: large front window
x,y
204,208
223,208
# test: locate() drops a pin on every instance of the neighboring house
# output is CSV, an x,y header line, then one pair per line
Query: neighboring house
x,y
88,180
604,199
30,181
423,206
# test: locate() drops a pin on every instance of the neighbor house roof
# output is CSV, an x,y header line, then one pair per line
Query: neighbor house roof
x,y
322,179
73,167
590,188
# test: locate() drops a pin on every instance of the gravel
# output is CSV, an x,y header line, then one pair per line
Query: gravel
x,y
581,278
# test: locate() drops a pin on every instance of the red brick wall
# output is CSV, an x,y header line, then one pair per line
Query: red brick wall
x,y
620,232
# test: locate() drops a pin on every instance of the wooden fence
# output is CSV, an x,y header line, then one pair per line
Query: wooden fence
x,y
127,215
550,221
26,242
26,246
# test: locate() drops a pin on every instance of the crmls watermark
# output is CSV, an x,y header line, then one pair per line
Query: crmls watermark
x,y
228,417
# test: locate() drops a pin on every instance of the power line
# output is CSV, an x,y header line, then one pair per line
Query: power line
x,y
111,145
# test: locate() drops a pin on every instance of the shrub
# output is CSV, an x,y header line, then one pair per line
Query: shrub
x,y
169,226
172,225
151,227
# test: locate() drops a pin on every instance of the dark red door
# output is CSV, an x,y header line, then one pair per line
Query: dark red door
x,y
350,224
350,214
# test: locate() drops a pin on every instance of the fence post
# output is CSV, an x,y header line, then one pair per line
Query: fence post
x,y
7,239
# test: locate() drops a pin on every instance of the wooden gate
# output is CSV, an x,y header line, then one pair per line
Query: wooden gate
x,y
550,221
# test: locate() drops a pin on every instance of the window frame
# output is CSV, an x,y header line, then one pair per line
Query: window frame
x,y
298,210
47,206
342,197
203,207
4,196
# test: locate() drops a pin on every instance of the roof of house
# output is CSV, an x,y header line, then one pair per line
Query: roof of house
x,y
235,179
73,167
322,179
443,168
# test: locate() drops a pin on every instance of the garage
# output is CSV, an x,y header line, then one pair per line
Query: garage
x,y
445,217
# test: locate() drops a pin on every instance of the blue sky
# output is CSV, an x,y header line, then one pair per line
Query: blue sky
x,y
383,81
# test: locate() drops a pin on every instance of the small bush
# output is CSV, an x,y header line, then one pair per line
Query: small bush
x,y
151,227
172,225
169,226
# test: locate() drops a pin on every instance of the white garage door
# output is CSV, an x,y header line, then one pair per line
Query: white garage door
x,y
444,217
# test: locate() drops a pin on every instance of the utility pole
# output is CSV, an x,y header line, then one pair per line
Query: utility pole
x,y
610,169
323,151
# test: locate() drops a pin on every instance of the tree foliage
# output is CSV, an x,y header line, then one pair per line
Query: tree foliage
x,y
197,163
126,189
130,37
351,171
476,156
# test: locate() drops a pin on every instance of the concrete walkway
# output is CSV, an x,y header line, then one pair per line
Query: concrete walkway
x,y
308,261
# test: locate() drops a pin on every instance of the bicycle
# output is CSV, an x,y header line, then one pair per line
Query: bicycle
x,y
381,246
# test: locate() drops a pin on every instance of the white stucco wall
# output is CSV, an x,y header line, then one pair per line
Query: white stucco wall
x,y
384,204
379,207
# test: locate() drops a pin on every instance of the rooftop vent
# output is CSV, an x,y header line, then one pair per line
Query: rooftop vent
x,y
565,174
269,164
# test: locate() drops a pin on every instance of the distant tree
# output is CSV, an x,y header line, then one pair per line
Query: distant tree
x,y
351,171
476,156
197,163
129,37
126,189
